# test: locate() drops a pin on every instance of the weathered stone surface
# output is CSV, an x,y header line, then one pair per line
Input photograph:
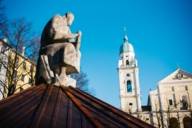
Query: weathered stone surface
x,y
59,52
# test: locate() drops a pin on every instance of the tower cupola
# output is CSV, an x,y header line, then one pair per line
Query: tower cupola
x,y
126,47
127,54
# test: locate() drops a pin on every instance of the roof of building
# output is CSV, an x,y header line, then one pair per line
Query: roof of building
x,y
126,46
55,107
178,74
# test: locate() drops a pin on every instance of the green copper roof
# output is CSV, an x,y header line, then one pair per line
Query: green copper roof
x,y
126,46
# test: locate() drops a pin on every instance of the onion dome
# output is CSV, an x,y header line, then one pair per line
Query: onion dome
x,y
126,46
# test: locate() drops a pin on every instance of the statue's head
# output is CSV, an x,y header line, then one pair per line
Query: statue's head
x,y
70,18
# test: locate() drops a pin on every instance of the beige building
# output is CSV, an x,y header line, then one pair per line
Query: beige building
x,y
16,71
169,106
171,101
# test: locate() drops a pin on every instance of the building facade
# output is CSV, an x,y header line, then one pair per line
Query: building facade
x,y
16,71
171,101
169,106
4,50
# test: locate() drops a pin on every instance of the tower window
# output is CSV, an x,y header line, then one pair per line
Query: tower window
x,y
128,74
170,102
129,86
127,62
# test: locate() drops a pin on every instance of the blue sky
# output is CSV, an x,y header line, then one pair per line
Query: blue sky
x,y
159,30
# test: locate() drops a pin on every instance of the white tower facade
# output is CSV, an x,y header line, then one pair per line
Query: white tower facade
x,y
129,79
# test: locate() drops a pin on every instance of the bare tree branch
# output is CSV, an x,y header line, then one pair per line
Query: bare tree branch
x,y
20,36
82,82
3,21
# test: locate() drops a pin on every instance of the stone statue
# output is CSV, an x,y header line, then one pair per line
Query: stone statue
x,y
59,52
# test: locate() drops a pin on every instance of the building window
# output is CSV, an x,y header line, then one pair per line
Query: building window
x,y
129,86
21,89
31,68
186,88
172,88
17,62
0,65
23,77
3,49
170,102
24,66
174,100
184,103
127,62
30,81
128,74
15,74
130,104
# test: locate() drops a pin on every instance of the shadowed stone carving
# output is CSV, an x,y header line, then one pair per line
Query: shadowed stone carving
x,y
59,52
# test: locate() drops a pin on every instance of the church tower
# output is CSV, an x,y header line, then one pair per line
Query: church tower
x,y
129,79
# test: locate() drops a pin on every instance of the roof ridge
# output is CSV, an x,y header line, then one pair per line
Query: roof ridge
x,y
113,109
94,122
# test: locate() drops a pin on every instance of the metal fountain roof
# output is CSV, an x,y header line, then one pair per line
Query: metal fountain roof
x,y
62,107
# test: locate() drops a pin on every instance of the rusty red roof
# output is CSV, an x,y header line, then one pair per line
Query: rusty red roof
x,y
48,106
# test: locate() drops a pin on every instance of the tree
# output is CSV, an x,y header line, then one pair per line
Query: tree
x,y
20,39
157,111
16,68
82,81
3,21
32,51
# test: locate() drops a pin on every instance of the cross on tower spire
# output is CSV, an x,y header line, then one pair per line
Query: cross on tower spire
x,y
125,33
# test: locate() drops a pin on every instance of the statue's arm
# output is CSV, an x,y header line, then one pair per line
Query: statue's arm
x,y
79,40
76,37
71,36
